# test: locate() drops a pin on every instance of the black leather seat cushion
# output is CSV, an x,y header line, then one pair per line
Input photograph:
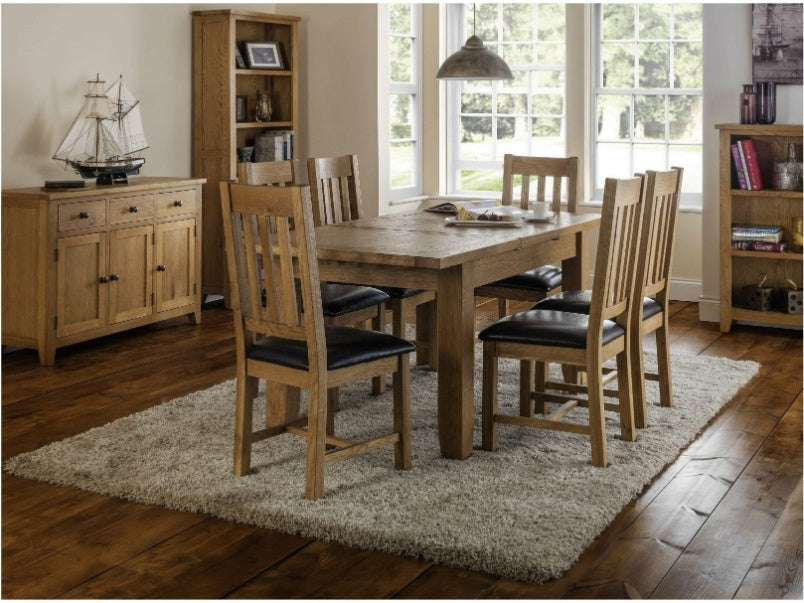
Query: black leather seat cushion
x,y
547,327
346,346
543,278
580,301
400,292
338,299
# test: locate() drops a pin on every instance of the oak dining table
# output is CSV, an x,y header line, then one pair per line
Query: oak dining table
x,y
420,250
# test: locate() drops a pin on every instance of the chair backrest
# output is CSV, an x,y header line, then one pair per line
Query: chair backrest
x,y
559,171
658,232
282,173
335,188
618,244
268,229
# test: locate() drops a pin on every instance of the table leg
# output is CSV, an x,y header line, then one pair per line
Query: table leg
x,y
456,363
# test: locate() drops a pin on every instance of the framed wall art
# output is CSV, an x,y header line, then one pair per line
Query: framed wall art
x,y
776,43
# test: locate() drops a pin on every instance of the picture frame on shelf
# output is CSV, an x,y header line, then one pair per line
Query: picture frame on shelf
x,y
263,55
241,108
240,62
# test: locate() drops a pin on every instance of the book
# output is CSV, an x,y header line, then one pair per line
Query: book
x,y
738,166
768,237
751,163
760,246
746,175
454,207
755,228
269,146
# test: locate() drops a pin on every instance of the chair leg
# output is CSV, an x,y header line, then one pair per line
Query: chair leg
x,y
402,451
244,407
316,441
378,324
526,388
637,380
663,359
489,397
597,424
502,307
540,384
625,367
333,403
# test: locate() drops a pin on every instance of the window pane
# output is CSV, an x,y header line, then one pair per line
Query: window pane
x,y
649,157
475,103
547,104
654,65
618,65
512,136
402,164
688,65
401,116
654,21
688,22
476,138
518,54
686,118
690,158
399,18
546,127
512,104
613,117
613,161
552,22
618,21
401,59
485,24
480,180
549,79
649,117
551,54
517,22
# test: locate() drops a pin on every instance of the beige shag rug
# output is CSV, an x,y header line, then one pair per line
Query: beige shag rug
x,y
524,512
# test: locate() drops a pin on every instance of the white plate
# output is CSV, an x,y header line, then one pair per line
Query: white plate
x,y
452,221
546,217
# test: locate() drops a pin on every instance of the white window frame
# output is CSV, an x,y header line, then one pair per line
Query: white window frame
x,y
415,89
689,201
456,36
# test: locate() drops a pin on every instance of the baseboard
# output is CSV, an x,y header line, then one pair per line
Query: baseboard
x,y
685,290
708,309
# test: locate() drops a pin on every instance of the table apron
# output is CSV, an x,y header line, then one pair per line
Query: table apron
x,y
375,275
495,267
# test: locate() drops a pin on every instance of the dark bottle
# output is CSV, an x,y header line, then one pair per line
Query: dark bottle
x,y
766,102
748,105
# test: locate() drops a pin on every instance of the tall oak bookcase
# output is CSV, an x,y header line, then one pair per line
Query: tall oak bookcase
x,y
766,207
217,82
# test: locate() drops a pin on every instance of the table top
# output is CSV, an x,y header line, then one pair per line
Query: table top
x,y
423,239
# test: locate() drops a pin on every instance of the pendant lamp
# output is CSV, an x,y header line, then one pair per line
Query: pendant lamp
x,y
474,62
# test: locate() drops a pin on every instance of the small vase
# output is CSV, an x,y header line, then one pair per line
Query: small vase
x,y
787,174
748,105
766,102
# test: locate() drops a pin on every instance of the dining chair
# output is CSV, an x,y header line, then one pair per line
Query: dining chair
x,y
657,241
281,336
537,337
275,173
559,173
336,193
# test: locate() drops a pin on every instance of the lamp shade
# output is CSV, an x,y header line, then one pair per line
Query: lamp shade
x,y
474,62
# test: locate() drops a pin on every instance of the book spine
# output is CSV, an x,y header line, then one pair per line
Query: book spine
x,y
746,174
752,164
759,246
738,166
756,236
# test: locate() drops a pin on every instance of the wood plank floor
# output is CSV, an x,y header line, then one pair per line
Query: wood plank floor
x,y
724,520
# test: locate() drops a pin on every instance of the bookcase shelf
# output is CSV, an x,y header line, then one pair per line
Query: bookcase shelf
x,y
767,207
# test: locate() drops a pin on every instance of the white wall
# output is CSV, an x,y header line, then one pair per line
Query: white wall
x,y
49,51
727,65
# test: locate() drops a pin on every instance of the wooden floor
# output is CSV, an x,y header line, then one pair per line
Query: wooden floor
x,y
722,521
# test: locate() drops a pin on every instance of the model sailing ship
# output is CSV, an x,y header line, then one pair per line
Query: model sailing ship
x,y
107,137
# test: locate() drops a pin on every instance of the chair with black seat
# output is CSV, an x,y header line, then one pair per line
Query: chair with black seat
x,y
553,175
283,339
270,173
337,197
657,241
537,337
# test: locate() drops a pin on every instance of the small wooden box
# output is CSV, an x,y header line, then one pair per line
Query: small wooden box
x,y
790,300
754,297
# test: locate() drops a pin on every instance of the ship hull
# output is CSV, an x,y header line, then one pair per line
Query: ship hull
x,y
89,169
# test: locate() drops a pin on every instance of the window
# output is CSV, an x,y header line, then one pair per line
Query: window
x,y
404,170
524,116
649,93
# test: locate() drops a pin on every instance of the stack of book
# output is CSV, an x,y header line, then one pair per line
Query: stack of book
x,y
754,237
746,164
274,146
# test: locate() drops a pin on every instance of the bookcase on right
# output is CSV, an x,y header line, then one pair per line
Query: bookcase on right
x,y
769,273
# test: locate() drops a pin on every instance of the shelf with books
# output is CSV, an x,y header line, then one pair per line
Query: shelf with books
x,y
757,222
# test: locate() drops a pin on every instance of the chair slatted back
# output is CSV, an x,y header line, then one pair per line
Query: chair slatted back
x,y
558,171
658,234
616,262
267,231
335,185
282,173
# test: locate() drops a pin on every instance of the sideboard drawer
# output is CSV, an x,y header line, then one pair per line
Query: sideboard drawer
x,y
131,209
85,214
177,203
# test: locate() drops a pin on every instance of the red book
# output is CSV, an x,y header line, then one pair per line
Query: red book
x,y
751,163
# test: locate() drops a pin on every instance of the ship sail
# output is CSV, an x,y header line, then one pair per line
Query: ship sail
x,y
107,135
